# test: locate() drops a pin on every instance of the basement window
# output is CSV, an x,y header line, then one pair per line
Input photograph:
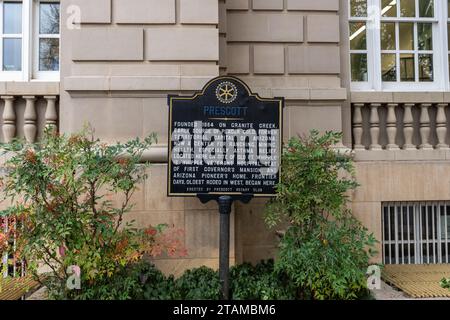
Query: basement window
x,y
416,232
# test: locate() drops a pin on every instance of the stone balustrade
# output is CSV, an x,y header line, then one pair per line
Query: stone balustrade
x,y
400,126
27,116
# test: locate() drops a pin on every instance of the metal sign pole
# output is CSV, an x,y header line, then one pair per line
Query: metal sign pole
x,y
225,203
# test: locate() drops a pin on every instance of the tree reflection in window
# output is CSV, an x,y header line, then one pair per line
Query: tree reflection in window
x,y
49,17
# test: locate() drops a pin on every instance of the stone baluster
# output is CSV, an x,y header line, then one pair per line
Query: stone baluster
x,y
374,127
425,127
441,126
358,126
30,117
51,116
408,126
9,119
391,126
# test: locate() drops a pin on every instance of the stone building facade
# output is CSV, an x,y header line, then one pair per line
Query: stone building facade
x,y
376,70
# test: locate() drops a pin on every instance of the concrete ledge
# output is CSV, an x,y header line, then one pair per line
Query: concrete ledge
x,y
304,93
139,83
399,97
191,83
36,88
156,154
401,155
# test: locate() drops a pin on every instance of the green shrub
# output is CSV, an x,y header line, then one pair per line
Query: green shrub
x,y
61,191
125,284
325,251
157,286
445,283
143,281
199,284
259,282
327,269
137,281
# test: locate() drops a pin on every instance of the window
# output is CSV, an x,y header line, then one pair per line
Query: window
x,y
12,38
416,232
29,46
358,41
47,39
448,31
398,45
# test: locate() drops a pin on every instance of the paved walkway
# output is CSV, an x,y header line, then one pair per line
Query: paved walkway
x,y
416,281
389,293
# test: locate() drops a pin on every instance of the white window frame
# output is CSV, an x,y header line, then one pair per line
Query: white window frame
x,y
13,75
30,45
368,51
447,58
37,74
440,49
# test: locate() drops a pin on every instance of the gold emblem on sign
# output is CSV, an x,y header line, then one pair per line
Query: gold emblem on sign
x,y
226,92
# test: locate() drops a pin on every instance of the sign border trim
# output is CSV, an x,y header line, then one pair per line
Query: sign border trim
x,y
171,98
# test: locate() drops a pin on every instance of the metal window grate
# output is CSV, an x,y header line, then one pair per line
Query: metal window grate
x,y
10,264
416,232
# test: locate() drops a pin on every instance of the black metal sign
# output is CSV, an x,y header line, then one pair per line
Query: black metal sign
x,y
224,140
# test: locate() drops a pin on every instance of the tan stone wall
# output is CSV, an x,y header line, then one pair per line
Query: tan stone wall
x,y
397,181
291,49
200,222
117,70
287,48
128,55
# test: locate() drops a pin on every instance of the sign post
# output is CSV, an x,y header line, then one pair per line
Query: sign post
x,y
225,203
224,145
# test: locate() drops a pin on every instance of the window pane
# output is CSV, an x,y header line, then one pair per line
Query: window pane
x,y
49,54
448,8
426,8
359,66
387,36
358,8
389,8
425,36
12,18
358,36
49,18
388,67
12,54
407,8
407,67
406,36
425,67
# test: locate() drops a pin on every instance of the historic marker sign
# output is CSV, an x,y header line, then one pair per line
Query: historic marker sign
x,y
224,140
